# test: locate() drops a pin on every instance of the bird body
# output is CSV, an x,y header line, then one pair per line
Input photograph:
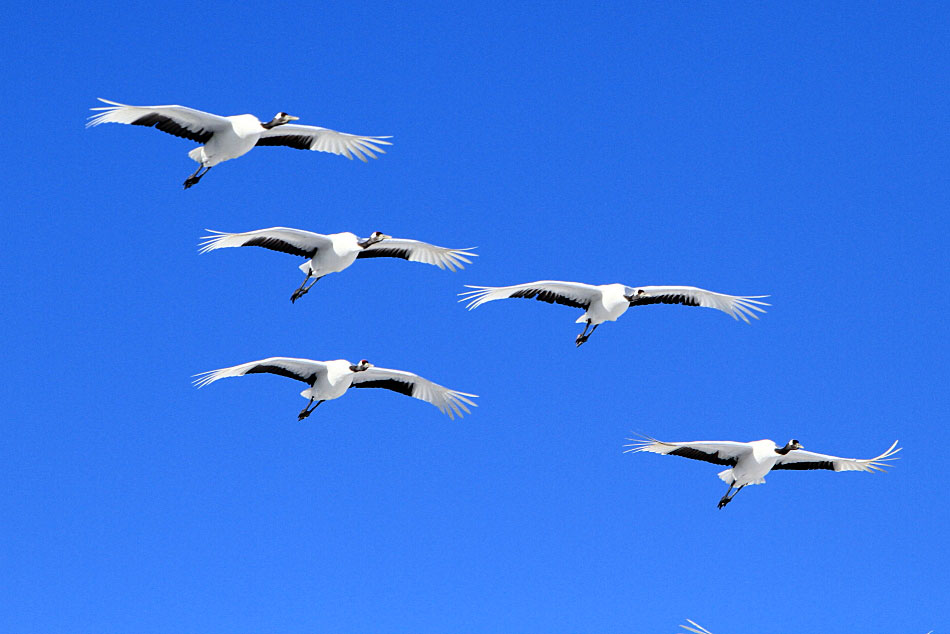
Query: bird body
x,y
331,383
332,253
752,465
230,141
226,138
330,380
340,253
607,305
607,302
749,462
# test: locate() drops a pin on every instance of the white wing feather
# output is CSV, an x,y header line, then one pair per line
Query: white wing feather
x,y
303,240
426,253
739,307
724,449
450,402
802,457
194,120
697,628
325,140
575,291
299,367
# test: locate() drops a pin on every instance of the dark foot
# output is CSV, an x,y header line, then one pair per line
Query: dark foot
x,y
580,339
725,500
191,180
297,295
303,414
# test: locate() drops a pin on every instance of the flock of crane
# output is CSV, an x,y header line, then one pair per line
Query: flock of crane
x,y
225,138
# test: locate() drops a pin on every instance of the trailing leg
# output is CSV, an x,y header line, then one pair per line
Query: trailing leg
x,y
307,411
584,336
194,178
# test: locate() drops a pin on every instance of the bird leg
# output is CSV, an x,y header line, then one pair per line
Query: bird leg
x,y
194,178
728,498
300,292
307,411
584,336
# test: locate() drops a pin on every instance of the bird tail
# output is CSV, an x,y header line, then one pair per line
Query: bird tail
x,y
305,267
195,154
726,476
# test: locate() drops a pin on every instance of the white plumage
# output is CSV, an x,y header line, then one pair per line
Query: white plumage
x,y
225,138
697,628
607,302
749,462
331,379
335,252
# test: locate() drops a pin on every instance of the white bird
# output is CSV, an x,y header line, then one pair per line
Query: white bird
x,y
331,379
607,302
697,628
749,461
334,252
225,138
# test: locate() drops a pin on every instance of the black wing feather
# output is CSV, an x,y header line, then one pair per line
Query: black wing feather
x,y
384,253
275,369
276,244
805,466
388,384
170,126
296,141
550,297
696,454
664,299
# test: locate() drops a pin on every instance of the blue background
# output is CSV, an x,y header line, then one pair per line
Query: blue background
x,y
799,151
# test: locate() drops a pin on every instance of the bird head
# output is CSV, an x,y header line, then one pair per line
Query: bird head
x,y
361,366
280,119
632,297
791,445
377,236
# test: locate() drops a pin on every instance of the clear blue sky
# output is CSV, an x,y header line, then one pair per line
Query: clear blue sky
x,y
798,151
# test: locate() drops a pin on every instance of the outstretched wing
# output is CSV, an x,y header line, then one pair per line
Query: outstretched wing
x,y
292,241
567,293
179,121
800,459
448,401
308,137
416,251
697,628
724,452
736,306
300,369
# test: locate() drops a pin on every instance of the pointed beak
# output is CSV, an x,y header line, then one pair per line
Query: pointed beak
x,y
291,117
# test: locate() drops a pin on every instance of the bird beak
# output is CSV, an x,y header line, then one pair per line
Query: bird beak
x,y
291,117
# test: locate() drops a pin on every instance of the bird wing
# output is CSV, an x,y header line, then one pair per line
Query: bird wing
x,y
292,241
416,251
179,121
799,459
697,628
724,452
567,293
309,137
448,401
300,369
738,307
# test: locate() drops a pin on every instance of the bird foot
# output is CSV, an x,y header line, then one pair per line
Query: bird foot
x,y
191,180
297,295
725,500
580,339
303,414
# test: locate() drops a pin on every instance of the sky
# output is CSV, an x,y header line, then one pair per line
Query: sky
x,y
796,150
